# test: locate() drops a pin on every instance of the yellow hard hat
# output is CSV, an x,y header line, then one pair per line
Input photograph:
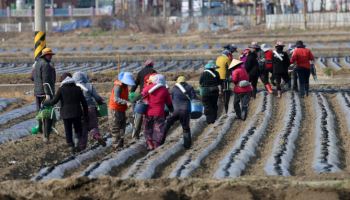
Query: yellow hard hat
x,y
47,51
180,79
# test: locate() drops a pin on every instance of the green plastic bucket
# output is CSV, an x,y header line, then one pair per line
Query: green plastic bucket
x,y
35,130
102,110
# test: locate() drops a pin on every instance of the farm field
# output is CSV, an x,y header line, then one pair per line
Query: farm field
x,y
287,148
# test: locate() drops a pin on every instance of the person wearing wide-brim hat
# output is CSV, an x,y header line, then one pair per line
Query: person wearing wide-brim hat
x,y
242,89
44,77
303,58
118,104
209,89
280,64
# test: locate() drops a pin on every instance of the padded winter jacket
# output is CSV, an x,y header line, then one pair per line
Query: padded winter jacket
x,y
43,72
268,59
252,65
157,101
71,98
180,100
222,62
141,77
240,74
89,91
280,66
209,82
302,57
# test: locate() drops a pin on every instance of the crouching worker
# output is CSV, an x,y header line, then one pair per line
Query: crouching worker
x,y
72,100
209,90
157,96
118,104
181,95
242,89
91,96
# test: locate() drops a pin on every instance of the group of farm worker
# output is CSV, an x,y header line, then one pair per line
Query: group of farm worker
x,y
79,99
78,102
160,101
254,62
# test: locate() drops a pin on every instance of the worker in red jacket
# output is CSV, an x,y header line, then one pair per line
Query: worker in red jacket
x,y
303,59
265,74
157,97
242,89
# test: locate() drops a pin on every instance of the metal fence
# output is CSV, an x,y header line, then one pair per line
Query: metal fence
x,y
313,20
59,12
27,27
212,23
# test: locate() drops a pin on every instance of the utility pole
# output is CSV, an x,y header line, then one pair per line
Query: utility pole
x,y
97,6
39,27
190,7
164,9
305,14
255,14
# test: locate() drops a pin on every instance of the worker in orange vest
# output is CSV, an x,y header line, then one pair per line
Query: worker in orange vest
x,y
118,104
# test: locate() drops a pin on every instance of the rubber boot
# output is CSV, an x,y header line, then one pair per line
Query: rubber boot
x,y
244,113
137,126
119,144
254,93
118,141
150,145
97,136
187,140
269,88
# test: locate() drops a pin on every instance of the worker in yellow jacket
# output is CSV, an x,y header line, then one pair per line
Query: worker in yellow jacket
x,y
222,63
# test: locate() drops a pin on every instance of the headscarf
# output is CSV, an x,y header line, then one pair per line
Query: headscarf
x,y
180,79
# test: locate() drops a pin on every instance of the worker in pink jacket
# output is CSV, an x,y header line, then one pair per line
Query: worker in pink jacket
x,y
242,89
157,96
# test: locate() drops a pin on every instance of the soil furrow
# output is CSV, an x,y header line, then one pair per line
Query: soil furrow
x,y
210,164
305,144
170,141
256,166
342,132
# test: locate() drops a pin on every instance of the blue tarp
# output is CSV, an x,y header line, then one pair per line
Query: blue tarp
x,y
86,23
118,24
76,24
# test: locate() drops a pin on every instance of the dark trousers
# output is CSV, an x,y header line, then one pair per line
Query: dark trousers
x,y
304,76
181,115
264,77
45,126
254,81
241,103
210,104
295,80
279,77
68,128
